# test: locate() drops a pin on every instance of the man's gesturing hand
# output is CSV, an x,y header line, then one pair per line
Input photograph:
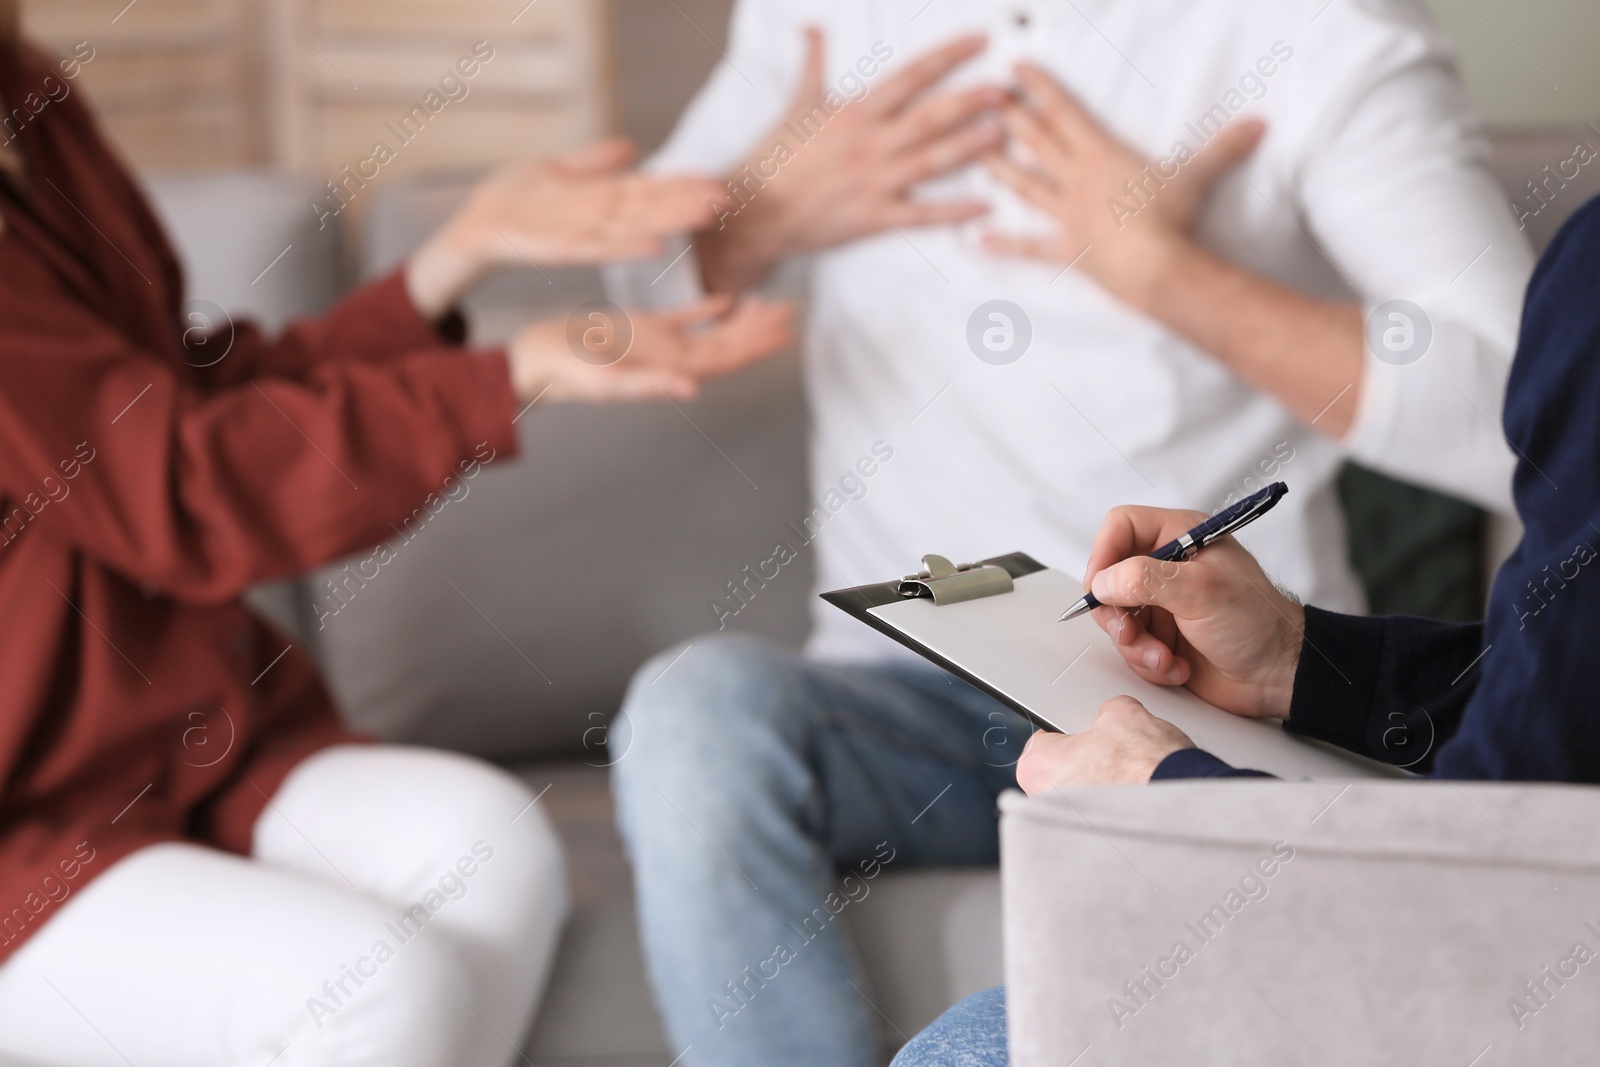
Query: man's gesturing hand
x,y
1123,747
849,174
1078,170
1215,623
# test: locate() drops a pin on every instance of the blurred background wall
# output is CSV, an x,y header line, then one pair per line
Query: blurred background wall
x,y
303,84
306,85
1528,62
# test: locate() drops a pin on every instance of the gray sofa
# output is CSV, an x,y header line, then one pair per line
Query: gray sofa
x,y
509,628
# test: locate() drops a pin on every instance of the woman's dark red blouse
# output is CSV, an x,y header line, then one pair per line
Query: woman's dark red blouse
x,y
140,701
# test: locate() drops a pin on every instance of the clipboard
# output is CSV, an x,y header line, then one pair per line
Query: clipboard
x,y
995,624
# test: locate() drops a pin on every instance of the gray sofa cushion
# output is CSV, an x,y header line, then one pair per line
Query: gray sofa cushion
x,y
251,243
512,621
1397,924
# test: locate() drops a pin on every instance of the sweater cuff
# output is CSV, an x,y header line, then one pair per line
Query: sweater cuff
x,y
1336,681
1198,763
405,330
493,421
1189,763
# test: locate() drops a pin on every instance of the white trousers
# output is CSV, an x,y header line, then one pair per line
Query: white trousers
x,y
401,909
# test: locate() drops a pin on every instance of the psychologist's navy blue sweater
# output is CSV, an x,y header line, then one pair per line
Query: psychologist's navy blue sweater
x,y
1514,698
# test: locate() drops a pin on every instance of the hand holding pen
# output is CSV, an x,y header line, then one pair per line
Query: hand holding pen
x,y
1185,545
1217,624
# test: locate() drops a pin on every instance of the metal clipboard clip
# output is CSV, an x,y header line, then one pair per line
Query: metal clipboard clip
x,y
947,583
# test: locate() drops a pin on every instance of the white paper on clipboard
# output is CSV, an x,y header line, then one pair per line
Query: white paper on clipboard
x,y
1012,645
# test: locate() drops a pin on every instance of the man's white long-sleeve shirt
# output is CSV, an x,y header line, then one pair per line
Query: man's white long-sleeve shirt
x,y
1368,187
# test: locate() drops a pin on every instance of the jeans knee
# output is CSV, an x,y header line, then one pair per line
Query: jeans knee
x,y
705,725
970,1034
702,698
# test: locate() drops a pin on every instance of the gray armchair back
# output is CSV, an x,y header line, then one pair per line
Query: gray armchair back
x,y
1273,923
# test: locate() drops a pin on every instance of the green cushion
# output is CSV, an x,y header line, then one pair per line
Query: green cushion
x,y
1417,552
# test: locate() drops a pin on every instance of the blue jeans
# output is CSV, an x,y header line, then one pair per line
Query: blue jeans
x,y
748,780
971,1034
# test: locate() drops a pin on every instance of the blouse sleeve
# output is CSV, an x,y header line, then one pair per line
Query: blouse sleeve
x,y
200,491
374,324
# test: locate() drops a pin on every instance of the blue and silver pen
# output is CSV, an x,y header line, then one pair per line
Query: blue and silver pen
x,y
1223,523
